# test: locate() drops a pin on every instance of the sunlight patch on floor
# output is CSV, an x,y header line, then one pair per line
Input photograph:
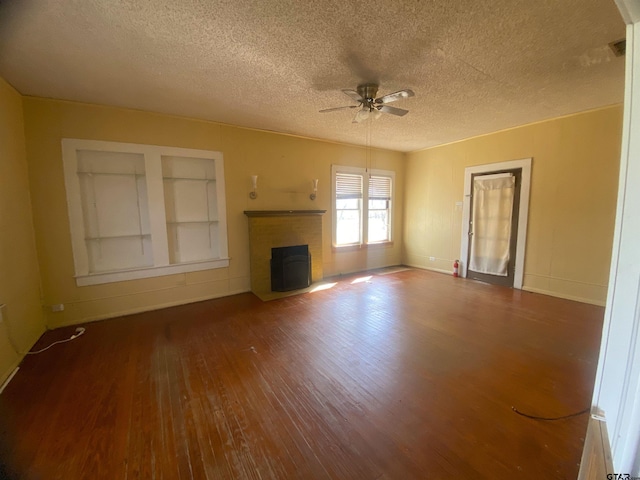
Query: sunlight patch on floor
x,y
361,279
324,286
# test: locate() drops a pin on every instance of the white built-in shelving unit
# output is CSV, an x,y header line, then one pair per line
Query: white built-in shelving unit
x,y
138,211
190,194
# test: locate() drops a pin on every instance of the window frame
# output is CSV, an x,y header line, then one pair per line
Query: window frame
x,y
156,209
364,210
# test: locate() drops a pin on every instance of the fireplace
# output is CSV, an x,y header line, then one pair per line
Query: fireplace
x,y
282,228
290,268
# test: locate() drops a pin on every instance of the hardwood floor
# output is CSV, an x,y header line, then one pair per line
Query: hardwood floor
x,y
407,375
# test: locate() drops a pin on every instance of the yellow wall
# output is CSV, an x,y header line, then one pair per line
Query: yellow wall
x,y
19,276
570,225
285,165
571,209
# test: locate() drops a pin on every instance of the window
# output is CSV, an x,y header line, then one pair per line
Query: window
x,y
362,206
141,211
379,209
348,208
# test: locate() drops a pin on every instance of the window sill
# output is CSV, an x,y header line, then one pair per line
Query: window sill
x,y
148,272
361,246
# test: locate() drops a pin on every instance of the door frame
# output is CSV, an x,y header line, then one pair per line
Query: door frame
x,y
523,215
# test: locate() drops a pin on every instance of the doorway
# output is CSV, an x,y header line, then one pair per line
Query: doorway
x,y
494,224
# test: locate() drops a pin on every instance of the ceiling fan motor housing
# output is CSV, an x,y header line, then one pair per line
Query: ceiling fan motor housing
x,y
368,92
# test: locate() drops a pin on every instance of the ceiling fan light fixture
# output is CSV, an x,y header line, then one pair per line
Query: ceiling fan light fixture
x,y
361,115
369,105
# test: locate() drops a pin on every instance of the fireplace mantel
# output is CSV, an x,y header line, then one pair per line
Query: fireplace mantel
x,y
282,213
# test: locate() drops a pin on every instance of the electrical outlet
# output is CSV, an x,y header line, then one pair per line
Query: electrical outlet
x,y
432,259
58,307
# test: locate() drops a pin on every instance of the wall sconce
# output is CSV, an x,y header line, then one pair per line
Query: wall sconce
x,y
315,189
254,184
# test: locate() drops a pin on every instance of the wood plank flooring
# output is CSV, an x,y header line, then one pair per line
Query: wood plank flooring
x,y
410,375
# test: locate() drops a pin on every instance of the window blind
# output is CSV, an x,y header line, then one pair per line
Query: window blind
x,y
348,186
379,188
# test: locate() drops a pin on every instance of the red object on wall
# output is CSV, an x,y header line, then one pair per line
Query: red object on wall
x,y
456,265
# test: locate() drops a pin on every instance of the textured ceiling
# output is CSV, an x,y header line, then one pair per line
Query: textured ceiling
x,y
475,66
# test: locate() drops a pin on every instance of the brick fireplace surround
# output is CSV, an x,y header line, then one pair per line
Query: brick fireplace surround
x,y
282,228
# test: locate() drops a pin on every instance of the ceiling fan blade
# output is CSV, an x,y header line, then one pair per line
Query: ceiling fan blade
x,y
338,108
400,112
353,95
394,97
361,115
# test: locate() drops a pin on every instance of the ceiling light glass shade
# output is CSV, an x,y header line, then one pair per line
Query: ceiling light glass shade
x,y
361,115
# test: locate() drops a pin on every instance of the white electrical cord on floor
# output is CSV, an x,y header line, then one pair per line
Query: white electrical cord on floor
x,y
79,331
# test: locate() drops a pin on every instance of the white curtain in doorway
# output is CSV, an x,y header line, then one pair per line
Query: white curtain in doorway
x,y
491,216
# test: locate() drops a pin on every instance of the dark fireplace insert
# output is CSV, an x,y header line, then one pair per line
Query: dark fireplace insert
x,y
290,268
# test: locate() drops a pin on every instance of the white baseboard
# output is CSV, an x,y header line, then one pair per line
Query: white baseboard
x,y
8,375
431,269
596,462
562,295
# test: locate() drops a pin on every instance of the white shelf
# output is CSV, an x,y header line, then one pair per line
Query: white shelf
x,y
193,221
190,179
115,237
110,173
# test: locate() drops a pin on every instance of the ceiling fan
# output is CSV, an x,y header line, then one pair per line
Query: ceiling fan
x,y
368,104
